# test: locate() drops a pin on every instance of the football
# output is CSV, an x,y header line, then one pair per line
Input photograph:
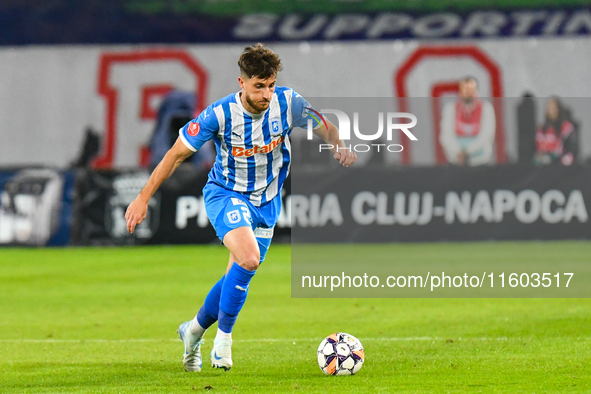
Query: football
x,y
340,354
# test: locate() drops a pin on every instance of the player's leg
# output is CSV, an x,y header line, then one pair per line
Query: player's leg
x,y
208,314
191,332
244,260
248,249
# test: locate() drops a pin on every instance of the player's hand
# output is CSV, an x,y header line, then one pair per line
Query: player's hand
x,y
135,214
345,157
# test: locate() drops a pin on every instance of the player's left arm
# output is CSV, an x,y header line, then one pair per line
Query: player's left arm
x,y
302,113
192,136
330,135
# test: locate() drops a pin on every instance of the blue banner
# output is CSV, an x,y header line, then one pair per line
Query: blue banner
x,y
114,22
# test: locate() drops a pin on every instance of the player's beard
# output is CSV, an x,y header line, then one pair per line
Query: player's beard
x,y
254,105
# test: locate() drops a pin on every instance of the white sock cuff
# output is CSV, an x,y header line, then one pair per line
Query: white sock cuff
x,y
196,328
222,335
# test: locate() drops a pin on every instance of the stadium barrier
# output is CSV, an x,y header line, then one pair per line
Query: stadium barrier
x,y
46,207
36,206
176,213
377,204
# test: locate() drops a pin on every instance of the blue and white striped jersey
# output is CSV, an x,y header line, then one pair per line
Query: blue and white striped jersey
x,y
253,150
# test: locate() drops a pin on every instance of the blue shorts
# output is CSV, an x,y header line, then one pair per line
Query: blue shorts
x,y
227,210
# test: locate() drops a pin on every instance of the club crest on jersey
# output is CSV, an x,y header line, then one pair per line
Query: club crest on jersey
x,y
233,216
275,127
193,129
238,151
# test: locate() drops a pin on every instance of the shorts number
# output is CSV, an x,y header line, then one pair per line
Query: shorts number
x,y
246,214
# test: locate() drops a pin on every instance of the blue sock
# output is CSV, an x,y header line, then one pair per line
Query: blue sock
x,y
208,314
233,296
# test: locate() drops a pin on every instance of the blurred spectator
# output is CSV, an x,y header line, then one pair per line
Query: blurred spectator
x,y
556,139
176,110
90,148
468,127
526,128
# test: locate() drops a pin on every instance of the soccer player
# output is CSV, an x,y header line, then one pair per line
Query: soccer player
x,y
250,130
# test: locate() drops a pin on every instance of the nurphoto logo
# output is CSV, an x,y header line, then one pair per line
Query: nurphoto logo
x,y
393,122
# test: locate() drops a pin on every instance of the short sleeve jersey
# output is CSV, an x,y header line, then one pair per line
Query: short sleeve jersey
x,y
253,150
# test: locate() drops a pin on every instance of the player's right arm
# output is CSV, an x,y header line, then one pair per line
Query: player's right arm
x,y
136,212
192,136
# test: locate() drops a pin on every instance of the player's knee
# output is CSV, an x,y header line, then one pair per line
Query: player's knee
x,y
250,261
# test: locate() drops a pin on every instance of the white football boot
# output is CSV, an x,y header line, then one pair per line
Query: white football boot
x,y
221,354
192,355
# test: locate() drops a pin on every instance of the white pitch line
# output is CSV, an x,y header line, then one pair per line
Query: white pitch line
x,y
253,340
278,340
49,340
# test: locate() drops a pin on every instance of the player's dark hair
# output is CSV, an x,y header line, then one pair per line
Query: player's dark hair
x,y
259,61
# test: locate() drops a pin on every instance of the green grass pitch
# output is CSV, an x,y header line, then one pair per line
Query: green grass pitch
x,y
103,320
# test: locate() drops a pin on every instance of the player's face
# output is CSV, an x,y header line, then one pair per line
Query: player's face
x,y
257,92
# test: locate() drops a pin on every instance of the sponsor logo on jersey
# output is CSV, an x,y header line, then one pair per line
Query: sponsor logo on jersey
x,y
237,201
238,151
193,129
